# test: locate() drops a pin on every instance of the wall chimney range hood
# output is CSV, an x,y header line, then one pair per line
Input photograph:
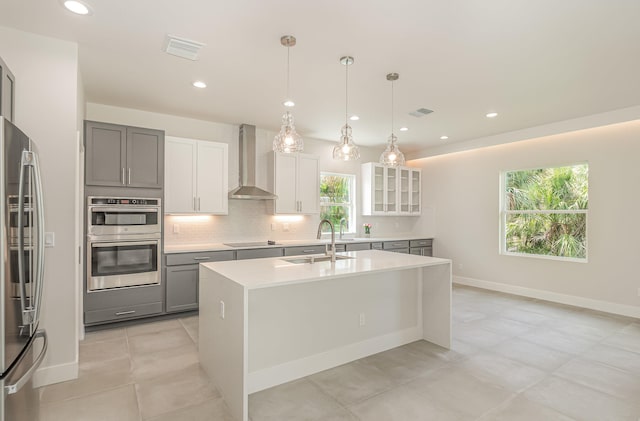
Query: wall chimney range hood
x,y
247,154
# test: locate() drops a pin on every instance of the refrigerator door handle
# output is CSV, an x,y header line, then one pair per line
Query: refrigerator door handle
x,y
27,318
15,387
39,272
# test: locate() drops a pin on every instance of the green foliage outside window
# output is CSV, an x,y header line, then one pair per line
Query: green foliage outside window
x,y
335,200
546,211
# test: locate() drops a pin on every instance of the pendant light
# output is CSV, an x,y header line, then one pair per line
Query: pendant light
x,y
346,150
392,157
288,140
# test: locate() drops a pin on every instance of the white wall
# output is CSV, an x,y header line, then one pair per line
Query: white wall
x,y
248,219
46,72
462,191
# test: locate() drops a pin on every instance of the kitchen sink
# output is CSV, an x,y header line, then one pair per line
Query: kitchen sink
x,y
314,259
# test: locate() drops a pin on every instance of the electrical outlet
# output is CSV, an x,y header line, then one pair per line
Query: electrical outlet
x,y
222,310
274,226
285,226
460,266
638,292
176,229
363,319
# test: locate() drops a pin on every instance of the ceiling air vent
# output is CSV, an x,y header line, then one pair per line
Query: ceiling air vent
x,y
182,47
420,112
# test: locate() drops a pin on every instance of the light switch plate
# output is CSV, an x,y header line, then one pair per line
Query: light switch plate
x,y
49,239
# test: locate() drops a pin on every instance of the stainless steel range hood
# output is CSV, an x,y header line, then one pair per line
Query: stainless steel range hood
x,y
247,154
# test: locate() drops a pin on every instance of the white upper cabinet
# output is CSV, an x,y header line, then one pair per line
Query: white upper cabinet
x,y
296,183
390,190
196,176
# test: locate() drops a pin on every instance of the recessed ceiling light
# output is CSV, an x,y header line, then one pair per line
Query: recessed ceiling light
x,y
77,7
404,129
444,137
289,103
492,115
354,118
199,84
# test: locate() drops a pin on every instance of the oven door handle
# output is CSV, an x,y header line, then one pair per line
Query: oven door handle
x,y
125,209
110,243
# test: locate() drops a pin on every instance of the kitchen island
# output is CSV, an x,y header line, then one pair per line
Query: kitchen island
x,y
264,322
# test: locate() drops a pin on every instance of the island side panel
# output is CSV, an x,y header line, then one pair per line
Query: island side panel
x,y
436,304
223,341
300,329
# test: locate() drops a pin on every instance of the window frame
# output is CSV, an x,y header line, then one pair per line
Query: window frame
x,y
504,212
352,226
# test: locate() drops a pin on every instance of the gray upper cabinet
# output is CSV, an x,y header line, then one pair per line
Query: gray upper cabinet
x,y
121,156
7,92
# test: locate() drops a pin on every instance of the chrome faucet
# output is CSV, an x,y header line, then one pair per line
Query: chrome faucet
x,y
343,224
329,252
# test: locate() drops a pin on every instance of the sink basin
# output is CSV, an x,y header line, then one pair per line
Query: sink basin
x,y
314,259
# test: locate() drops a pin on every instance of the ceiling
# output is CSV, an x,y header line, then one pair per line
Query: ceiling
x,y
533,62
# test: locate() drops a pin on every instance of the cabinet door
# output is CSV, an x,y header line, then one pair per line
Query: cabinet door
x,y
145,156
403,190
105,154
180,175
285,183
7,92
308,186
390,189
378,189
182,288
415,191
212,177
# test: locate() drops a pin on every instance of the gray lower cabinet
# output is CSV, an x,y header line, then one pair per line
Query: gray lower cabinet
x,y
123,304
122,156
259,253
182,276
299,250
421,247
7,92
357,246
396,246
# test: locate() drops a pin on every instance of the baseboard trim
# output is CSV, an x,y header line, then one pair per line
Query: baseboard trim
x,y
55,374
573,300
273,376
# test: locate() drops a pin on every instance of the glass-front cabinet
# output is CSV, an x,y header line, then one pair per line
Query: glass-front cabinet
x,y
390,190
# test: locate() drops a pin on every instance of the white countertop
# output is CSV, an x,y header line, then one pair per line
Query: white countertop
x,y
188,248
276,271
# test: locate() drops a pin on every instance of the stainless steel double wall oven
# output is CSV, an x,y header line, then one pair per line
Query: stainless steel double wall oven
x,y
123,242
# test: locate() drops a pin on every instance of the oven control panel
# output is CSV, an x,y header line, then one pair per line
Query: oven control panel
x,y
123,201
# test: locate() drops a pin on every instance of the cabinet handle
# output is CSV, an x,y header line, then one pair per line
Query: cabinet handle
x,y
194,204
397,244
308,251
122,313
198,203
129,175
123,183
201,258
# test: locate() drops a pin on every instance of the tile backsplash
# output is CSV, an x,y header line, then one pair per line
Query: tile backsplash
x,y
253,220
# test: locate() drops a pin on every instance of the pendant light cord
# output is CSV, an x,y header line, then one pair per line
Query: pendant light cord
x,y
346,95
392,108
288,73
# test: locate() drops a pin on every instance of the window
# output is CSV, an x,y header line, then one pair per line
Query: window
x,y
337,200
544,212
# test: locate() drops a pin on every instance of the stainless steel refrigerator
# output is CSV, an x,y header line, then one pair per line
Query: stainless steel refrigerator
x,y
23,345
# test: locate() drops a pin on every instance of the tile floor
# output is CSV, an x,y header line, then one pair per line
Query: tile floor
x,y
512,359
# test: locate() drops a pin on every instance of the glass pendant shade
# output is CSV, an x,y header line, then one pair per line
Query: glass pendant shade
x,y
392,157
288,140
346,150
